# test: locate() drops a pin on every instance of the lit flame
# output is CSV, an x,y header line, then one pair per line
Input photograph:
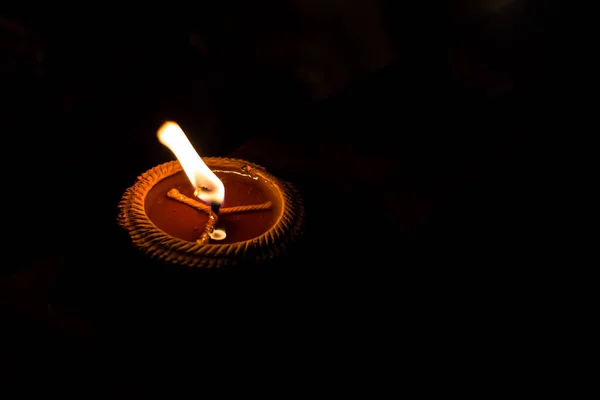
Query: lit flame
x,y
209,188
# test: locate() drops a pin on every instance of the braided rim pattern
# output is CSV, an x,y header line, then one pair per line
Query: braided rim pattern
x,y
159,245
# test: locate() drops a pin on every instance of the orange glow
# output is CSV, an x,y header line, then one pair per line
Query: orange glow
x,y
209,188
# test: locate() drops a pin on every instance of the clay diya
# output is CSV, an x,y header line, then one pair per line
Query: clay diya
x,y
210,212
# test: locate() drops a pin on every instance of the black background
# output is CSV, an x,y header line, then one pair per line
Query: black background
x,y
429,145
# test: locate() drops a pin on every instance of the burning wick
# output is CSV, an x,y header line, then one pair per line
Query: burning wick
x,y
214,206
209,187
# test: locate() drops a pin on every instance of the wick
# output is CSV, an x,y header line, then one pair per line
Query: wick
x,y
213,218
213,211
198,205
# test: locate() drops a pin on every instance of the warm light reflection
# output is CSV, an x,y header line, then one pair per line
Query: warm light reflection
x,y
209,188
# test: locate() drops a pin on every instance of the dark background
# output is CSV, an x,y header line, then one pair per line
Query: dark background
x,y
428,143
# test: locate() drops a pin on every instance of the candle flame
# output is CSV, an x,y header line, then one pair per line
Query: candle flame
x,y
209,187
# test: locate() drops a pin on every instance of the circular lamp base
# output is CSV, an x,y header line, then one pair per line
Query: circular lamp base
x,y
167,230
